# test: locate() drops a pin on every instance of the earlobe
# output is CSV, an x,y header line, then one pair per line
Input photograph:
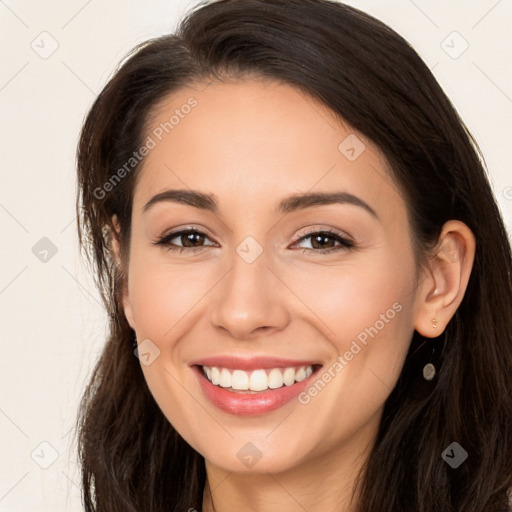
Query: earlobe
x,y
122,272
443,287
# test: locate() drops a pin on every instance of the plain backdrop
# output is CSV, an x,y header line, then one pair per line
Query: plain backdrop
x,y
55,58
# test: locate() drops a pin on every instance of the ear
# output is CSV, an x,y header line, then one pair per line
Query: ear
x,y
443,286
123,272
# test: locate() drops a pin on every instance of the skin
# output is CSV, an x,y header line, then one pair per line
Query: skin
x,y
251,143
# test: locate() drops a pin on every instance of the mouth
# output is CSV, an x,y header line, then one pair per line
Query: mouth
x,y
257,381
253,391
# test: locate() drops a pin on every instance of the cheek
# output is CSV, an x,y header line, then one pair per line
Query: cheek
x,y
349,299
162,295
365,312
367,317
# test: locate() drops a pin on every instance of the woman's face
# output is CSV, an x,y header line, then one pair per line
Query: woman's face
x,y
300,255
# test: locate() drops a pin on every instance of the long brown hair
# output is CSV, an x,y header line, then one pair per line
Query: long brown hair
x,y
132,459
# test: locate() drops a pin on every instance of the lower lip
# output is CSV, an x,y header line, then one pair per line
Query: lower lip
x,y
250,404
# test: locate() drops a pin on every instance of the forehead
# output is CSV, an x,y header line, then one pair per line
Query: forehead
x,y
253,141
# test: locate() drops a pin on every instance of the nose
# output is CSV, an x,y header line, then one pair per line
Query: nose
x,y
249,300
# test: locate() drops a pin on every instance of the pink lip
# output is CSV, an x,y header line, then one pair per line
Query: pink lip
x,y
253,363
250,404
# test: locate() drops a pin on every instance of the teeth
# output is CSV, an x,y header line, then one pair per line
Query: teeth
x,y
225,378
300,375
275,379
239,380
289,376
257,380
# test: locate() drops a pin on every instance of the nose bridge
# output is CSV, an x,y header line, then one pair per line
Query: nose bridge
x,y
247,298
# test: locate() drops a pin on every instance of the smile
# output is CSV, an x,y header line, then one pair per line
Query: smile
x,y
257,380
253,390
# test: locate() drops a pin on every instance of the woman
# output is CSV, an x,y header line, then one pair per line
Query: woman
x,y
293,229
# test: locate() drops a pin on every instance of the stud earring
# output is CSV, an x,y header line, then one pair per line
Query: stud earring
x,y
434,323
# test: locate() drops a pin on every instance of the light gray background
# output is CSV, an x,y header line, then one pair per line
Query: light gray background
x,y
52,324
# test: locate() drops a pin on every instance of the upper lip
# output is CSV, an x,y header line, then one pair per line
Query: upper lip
x,y
253,363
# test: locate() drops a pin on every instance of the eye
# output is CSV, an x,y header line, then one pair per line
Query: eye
x,y
325,241
320,241
188,240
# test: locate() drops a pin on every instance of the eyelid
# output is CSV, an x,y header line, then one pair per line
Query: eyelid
x,y
187,227
329,230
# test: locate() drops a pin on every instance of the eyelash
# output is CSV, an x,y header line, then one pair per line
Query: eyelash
x,y
345,243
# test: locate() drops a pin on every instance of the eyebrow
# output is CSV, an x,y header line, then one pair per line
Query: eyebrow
x,y
287,205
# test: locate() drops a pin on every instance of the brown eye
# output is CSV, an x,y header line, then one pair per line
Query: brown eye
x,y
325,241
322,241
189,239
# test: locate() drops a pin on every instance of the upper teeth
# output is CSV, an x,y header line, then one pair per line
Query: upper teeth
x,y
257,380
